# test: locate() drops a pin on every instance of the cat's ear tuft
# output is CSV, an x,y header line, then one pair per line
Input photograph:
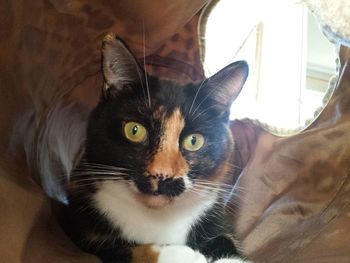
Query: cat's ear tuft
x,y
120,67
225,85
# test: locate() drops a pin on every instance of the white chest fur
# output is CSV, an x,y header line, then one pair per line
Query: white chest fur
x,y
169,225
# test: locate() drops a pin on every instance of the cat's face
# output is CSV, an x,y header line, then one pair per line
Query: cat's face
x,y
157,138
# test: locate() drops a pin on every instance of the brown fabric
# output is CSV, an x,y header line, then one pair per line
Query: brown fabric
x,y
294,192
50,49
179,57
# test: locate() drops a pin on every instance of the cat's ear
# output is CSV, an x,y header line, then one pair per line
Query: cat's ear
x,y
120,68
224,86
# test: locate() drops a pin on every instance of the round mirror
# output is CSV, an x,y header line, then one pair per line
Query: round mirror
x,y
292,64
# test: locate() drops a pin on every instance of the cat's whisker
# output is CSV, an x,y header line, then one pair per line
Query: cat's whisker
x,y
98,172
200,193
201,187
84,185
99,178
100,169
144,62
217,184
213,183
81,173
205,98
195,96
143,89
210,93
204,184
231,197
199,114
213,189
228,192
77,175
216,190
96,168
99,165
248,192
91,174
227,208
235,166
81,188
233,190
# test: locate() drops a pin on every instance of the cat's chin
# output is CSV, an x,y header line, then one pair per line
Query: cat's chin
x,y
153,202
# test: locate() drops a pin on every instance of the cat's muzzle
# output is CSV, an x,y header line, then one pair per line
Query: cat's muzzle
x,y
157,190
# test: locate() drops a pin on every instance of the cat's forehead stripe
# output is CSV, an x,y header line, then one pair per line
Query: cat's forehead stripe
x,y
168,160
174,125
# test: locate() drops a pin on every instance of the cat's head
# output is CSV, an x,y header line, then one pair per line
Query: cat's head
x,y
156,138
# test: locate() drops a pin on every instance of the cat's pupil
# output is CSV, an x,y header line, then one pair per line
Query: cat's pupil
x,y
134,130
193,140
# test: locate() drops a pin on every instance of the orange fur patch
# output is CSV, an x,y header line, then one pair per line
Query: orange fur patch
x,y
169,160
144,254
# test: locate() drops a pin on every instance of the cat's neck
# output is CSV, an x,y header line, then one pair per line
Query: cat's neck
x,y
169,225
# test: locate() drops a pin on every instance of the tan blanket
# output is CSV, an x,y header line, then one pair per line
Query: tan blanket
x,y
293,191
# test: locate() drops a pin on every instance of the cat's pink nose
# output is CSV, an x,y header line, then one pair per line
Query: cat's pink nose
x,y
166,165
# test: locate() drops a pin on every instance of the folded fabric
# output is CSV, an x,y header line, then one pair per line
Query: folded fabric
x,y
334,17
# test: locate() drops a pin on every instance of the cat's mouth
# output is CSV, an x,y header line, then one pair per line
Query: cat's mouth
x,y
157,193
153,201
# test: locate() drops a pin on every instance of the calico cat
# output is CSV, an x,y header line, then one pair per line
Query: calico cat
x,y
158,157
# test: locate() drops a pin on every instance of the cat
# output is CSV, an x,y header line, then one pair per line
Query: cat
x,y
152,183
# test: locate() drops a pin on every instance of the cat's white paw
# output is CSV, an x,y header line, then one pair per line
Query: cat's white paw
x,y
231,260
175,254
178,254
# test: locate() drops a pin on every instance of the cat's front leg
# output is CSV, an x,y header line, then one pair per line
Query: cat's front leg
x,y
231,260
217,250
166,254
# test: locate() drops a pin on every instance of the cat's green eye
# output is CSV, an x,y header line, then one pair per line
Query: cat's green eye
x,y
193,142
135,131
